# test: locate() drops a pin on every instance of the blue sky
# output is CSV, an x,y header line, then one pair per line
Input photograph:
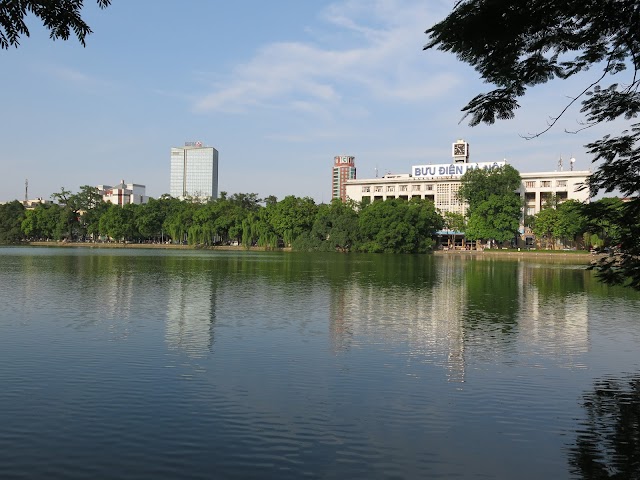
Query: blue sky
x,y
277,87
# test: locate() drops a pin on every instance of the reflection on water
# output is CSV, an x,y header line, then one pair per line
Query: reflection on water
x,y
608,439
238,365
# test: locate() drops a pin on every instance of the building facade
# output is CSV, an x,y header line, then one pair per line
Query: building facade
x,y
194,171
123,193
440,184
344,169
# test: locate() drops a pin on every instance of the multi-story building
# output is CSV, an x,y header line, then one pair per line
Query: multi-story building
x,y
123,193
344,169
440,184
194,171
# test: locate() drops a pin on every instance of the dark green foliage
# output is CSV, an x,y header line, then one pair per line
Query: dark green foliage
x,y
563,222
335,228
11,218
393,226
60,17
494,209
517,45
398,226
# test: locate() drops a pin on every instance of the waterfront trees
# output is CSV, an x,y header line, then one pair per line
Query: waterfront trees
x,y
518,45
560,223
11,218
398,226
335,228
494,207
604,223
393,226
292,216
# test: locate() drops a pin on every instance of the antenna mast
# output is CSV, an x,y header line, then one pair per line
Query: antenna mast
x,y
26,190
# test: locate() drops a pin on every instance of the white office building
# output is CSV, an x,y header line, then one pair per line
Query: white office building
x,y
440,184
123,193
194,171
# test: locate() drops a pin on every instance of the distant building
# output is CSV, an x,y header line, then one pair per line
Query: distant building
x,y
123,193
31,204
440,184
344,169
194,171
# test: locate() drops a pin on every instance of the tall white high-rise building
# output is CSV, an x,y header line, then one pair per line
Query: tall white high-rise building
x,y
194,171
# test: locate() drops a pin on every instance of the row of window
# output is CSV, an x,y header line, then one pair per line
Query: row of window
x,y
392,188
418,188
366,198
544,183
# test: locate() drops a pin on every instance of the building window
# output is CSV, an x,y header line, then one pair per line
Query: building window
x,y
377,189
545,183
391,188
561,183
428,187
366,189
404,188
530,184
415,188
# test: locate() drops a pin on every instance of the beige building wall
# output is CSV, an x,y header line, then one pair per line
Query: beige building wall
x,y
535,190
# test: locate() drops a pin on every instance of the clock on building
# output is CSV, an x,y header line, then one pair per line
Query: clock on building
x,y
459,149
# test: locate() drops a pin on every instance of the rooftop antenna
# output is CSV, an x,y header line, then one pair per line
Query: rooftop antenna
x,y
376,171
572,160
560,164
26,190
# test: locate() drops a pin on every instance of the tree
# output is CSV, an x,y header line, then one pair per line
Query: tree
x,y
545,225
292,216
518,45
398,226
90,206
604,220
571,221
60,17
454,223
11,218
494,206
335,228
42,221
69,215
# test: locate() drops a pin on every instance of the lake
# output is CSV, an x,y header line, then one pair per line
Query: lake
x,y
157,364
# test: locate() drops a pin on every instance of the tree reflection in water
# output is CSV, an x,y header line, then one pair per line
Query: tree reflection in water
x,y
608,447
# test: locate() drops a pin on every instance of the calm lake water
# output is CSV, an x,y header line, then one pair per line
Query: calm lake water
x,y
147,364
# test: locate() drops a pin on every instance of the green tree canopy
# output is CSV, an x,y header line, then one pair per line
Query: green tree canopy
x,y
11,219
60,17
494,206
398,226
518,45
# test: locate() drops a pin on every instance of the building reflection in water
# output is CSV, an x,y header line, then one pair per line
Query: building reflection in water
x,y
426,317
454,319
191,314
552,319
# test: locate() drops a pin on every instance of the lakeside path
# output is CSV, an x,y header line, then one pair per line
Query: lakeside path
x,y
549,254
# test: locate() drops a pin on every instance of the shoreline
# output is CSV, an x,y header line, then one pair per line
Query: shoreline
x,y
496,253
564,255
161,246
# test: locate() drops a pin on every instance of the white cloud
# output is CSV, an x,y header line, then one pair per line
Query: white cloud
x,y
379,56
76,78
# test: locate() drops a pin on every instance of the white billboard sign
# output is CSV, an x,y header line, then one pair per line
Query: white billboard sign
x,y
451,169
